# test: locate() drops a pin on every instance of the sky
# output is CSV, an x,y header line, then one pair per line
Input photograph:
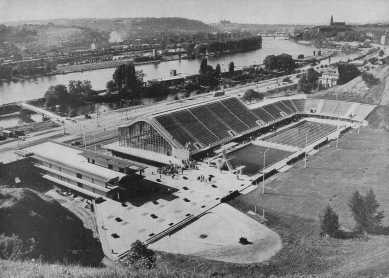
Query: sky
x,y
208,11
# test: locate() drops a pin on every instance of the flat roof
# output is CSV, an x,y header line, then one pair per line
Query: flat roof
x,y
72,158
120,162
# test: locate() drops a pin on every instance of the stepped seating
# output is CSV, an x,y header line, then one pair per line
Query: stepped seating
x,y
273,111
175,129
283,108
199,131
342,108
299,104
289,105
241,111
205,115
223,113
328,106
297,135
362,111
262,114
311,104
210,123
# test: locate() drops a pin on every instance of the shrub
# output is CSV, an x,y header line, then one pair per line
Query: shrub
x,y
370,80
14,248
140,254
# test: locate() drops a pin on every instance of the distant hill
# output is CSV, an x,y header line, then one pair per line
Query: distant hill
x,y
359,91
136,26
259,28
48,229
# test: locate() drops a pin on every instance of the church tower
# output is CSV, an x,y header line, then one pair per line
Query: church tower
x,y
332,20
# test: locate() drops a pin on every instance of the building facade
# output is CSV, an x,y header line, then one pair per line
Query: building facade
x,y
329,78
83,172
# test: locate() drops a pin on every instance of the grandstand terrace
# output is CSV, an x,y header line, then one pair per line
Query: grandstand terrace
x,y
188,130
302,134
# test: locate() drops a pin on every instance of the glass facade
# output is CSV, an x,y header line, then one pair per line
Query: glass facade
x,y
142,135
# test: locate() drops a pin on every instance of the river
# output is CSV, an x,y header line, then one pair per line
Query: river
x,y
35,88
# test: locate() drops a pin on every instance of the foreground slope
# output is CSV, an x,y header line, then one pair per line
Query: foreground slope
x,y
55,231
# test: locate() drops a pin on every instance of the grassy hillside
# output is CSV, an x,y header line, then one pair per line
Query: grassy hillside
x,y
41,227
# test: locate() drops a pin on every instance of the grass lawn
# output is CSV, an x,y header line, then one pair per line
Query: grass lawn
x,y
332,175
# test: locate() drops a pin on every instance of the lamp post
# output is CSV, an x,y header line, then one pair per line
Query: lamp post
x,y
306,144
97,117
263,170
94,137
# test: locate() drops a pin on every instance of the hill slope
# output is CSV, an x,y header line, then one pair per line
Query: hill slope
x,y
357,90
31,215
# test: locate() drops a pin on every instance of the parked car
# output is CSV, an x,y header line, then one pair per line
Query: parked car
x,y
75,143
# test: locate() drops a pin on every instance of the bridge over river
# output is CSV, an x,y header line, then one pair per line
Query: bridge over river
x,y
44,112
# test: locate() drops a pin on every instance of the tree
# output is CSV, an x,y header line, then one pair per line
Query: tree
x,y
381,53
285,63
139,253
128,80
231,69
301,56
270,62
56,95
329,222
251,95
217,71
347,72
78,89
203,67
308,81
75,89
282,62
374,217
365,212
111,86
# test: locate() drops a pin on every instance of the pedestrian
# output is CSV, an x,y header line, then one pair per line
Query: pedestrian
x,y
160,176
237,176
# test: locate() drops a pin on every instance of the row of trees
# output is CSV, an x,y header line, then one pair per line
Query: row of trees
x,y
364,210
76,93
282,63
244,44
25,69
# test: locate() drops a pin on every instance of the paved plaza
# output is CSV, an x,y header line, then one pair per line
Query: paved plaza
x,y
189,197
